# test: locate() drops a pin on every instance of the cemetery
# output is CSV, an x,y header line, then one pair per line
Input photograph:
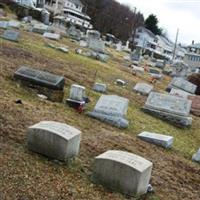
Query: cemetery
x,y
68,132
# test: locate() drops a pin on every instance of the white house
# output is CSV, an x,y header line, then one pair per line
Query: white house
x,y
71,10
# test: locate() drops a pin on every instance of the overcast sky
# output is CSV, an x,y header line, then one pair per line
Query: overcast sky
x,y
173,14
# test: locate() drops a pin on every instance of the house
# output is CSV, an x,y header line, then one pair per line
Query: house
x,y
70,10
192,57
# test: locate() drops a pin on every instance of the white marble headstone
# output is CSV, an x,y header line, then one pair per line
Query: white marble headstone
x,y
54,139
196,156
77,92
122,171
165,141
52,36
99,87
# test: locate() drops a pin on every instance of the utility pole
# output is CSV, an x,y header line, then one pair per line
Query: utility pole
x,y
175,45
134,28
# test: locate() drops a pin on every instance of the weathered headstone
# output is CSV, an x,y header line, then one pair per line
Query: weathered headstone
x,y
4,24
195,105
169,107
143,88
52,36
83,43
196,156
136,70
46,83
102,57
96,45
111,109
180,83
74,33
179,93
40,28
158,139
11,35
55,140
123,172
63,49
99,87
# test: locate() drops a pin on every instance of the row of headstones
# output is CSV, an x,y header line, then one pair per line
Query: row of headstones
x,y
118,170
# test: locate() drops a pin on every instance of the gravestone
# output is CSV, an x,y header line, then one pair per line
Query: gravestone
x,y
195,110
54,139
14,24
179,93
169,107
74,33
46,83
63,49
111,109
52,36
196,156
40,28
180,83
143,88
102,57
83,43
3,24
77,96
11,35
100,87
96,45
120,82
158,139
123,172
136,70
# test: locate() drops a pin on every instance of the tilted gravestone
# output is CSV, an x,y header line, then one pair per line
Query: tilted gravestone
x,y
100,87
179,93
143,88
122,171
14,24
11,35
169,107
52,36
54,139
180,83
158,139
46,83
111,109
196,156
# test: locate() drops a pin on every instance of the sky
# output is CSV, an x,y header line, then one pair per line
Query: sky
x,y
172,15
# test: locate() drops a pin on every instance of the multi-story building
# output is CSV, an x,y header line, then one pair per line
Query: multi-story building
x,y
70,10
192,57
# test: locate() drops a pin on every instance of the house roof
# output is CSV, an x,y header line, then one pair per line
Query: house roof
x,y
77,2
197,45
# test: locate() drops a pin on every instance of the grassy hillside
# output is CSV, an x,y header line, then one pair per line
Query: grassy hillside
x,y
27,175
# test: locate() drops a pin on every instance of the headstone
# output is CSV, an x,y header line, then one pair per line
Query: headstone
x,y
180,83
14,24
123,172
93,34
74,33
96,45
196,156
52,36
179,93
143,88
46,83
11,35
4,24
55,140
111,109
63,49
40,28
158,139
195,110
45,15
120,82
169,107
136,69
102,57
154,73
77,92
83,43
100,87
119,46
